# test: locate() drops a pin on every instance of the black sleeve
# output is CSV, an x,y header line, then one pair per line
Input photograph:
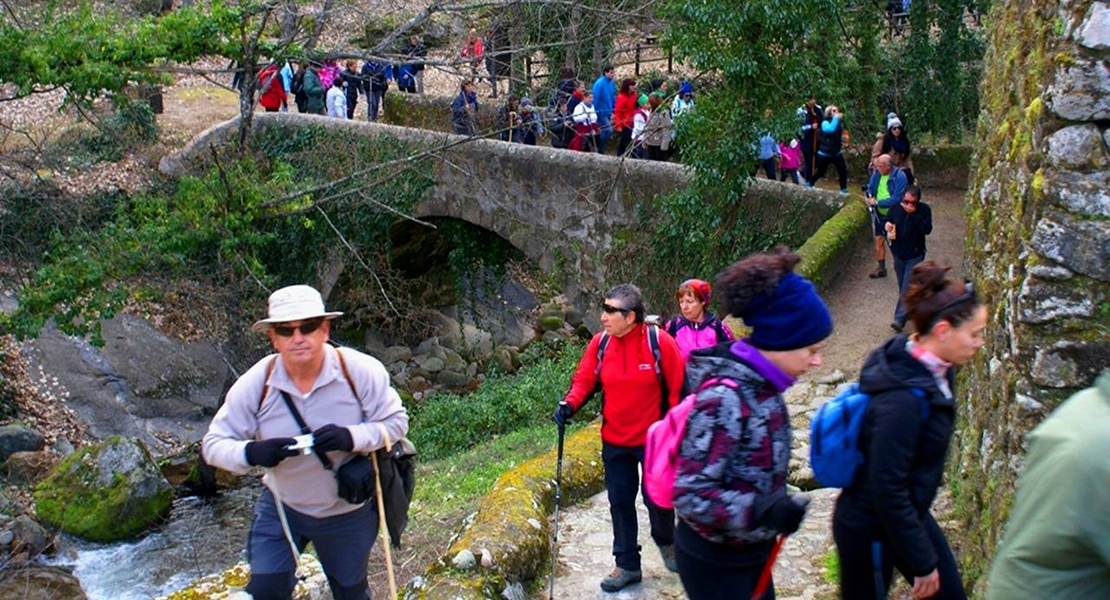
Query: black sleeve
x,y
924,219
895,429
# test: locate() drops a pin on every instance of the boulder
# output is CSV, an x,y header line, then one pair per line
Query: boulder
x,y
186,472
454,361
29,467
139,384
479,343
105,492
430,347
373,343
452,378
30,537
394,354
552,337
19,438
36,582
447,330
551,322
506,359
429,364
230,583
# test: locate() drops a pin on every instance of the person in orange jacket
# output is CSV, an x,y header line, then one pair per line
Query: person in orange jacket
x,y
640,370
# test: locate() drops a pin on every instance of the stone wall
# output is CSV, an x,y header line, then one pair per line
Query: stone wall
x,y
1038,214
563,209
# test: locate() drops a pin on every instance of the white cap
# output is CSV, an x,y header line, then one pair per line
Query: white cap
x,y
294,303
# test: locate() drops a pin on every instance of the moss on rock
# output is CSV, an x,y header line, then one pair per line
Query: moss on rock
x,y
827,250
105,492
231,582
512,522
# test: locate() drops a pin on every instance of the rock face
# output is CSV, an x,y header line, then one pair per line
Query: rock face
x,y
139,384
35,582
105,492
1038,247
19,438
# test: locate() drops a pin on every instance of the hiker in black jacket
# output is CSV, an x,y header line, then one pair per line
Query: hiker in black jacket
x,y
907,224
882,519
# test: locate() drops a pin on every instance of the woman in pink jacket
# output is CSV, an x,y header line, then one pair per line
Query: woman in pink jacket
x,y
791,160
696,327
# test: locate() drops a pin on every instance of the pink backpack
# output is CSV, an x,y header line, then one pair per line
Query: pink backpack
x,y
661,449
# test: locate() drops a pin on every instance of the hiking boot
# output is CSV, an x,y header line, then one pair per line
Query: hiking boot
x,y
879,273
620,579
669,560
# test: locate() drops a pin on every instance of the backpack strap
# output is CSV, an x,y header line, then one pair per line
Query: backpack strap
x,y
920,393
347,374
602,344
719,327
653,345
266,382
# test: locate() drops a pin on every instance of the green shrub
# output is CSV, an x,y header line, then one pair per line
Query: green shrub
x,y
446,424
132,125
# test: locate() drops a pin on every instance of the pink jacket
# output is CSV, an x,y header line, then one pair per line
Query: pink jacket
x,y
791,157
693,336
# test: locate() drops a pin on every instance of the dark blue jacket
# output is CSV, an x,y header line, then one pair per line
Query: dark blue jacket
x,y
896,185
375,77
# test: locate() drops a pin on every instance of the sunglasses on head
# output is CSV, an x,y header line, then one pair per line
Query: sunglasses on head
x,y
610,309
967,296
305,328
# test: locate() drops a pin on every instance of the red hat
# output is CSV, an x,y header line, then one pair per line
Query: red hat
x,y
701,289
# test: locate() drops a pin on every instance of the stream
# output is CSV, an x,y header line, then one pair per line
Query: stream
x,y
201,537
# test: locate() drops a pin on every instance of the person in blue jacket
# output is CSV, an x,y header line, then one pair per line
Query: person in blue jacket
x,y
830,141
884,190
605,98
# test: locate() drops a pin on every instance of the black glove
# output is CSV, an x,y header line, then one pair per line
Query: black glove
x,y
786,514
268,453
332,437
563,413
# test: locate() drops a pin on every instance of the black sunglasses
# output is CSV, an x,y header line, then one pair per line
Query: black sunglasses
x,y
305,328
614,309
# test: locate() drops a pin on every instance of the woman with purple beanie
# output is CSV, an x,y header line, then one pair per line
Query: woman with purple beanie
x,y
730,490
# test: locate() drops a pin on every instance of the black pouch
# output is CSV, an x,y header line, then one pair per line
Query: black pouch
x,y
356,480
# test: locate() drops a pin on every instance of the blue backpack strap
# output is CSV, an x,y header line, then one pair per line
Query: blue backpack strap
x,y
924,397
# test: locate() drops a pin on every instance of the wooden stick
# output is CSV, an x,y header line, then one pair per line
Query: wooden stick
x,y
383,527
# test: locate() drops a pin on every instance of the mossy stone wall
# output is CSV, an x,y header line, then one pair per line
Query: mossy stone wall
x,y
1038,248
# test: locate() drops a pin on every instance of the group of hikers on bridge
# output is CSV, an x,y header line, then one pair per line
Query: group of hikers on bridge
x,y
695,418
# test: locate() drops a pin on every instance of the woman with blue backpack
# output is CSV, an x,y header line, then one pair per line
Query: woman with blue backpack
x,y
882,519
730,484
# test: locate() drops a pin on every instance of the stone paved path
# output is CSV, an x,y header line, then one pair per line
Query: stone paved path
x,y
862,309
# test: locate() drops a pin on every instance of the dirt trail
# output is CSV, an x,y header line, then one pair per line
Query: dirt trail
x,y
862,310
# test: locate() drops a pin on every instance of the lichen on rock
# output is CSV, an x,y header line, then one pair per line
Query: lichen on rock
x,y
105,492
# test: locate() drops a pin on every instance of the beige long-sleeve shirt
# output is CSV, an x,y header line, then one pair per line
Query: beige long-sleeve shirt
x,y
301,481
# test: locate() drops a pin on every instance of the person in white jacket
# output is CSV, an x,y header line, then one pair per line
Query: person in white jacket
x,y
337,100
639,124
344,398
585,125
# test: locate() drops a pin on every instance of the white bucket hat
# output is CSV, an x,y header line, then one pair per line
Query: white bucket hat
x,y
294,303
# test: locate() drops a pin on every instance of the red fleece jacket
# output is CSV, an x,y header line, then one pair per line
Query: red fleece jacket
x,y
624,111
629,383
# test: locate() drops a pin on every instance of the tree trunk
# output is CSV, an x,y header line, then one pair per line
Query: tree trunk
x,y
318,26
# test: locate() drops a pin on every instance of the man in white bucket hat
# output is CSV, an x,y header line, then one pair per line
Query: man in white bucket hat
x,y
344,398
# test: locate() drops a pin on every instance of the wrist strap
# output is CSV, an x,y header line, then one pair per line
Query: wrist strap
x,y
304,429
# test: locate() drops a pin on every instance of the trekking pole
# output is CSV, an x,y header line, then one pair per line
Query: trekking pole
x,y
558,497
383,526
765,576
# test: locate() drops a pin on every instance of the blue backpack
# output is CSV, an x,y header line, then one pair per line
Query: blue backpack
x,y
834,452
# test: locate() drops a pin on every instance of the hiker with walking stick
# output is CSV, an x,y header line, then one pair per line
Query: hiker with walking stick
x,y
730,483
308,415
639,369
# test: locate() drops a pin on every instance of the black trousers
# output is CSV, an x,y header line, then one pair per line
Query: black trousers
x,y
867,562
808,157
625,141
823,163
622,480
711,571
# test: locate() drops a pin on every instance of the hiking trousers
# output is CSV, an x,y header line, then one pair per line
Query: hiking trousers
x,y
711,571
342,545
902,270
823,163
868,560
622,480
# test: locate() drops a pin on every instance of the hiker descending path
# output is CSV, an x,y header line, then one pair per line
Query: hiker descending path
x,y
862,310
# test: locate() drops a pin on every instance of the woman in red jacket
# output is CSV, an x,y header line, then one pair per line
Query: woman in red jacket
x,y
623,113
639,368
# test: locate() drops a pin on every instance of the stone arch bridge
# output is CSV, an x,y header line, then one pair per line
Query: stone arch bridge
x,y
562,209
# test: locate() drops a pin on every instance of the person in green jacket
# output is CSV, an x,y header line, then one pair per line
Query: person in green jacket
x,y
314,91
1057,542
